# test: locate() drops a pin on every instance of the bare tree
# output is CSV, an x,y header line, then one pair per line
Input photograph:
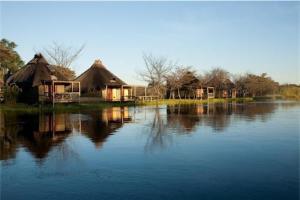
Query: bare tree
x,y
61,55
218,78
177,79
182,78
155,73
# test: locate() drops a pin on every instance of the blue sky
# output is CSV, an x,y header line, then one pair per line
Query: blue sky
x,y
240,37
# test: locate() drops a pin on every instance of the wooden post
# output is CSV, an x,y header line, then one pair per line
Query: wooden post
x,y
79,89
122,94
53,92
134,90
105,92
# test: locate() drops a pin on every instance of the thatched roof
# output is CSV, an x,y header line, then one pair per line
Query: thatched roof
x,y
225,84
35,72
97,76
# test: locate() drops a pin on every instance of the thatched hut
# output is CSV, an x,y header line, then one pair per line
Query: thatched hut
x,y
98,81
39,83
191,87
1,84
223,88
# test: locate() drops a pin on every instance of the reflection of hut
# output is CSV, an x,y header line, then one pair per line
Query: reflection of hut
x,y
38,133
187,117
39,84
39,138
116,114
58,123
97,81
99,128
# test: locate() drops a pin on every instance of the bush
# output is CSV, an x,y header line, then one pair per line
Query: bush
x,y
290,91
11,94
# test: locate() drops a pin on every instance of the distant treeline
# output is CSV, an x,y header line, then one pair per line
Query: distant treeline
x,y
166,77
290,91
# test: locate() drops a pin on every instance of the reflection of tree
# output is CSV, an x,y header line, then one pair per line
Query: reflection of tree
x,y
158,136
8,135
184,118
255,111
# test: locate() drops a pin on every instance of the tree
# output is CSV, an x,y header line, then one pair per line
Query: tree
x,y
66,72
10,60
62,57
182,78
155,73
239,81
11,94
254,85
217,78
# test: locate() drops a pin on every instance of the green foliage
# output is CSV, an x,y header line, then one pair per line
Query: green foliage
x,y
11,94
9,58
254,85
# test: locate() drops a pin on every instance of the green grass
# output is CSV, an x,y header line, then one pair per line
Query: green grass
x,y
193,101
60,107
100,105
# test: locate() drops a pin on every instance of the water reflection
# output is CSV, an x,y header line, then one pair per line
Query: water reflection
x,y
39,134
218,116
99,126
181,152
186,119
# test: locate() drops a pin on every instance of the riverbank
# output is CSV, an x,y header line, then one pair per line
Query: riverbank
x,y
101,105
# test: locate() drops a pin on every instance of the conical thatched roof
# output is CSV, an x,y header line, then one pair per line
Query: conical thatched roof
x,y
35,72
97,76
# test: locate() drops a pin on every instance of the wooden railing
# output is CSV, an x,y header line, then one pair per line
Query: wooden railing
x,y
66,97
128,98
147,98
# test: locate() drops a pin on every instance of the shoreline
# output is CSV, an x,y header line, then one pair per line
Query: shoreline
x,y
19,107
75,107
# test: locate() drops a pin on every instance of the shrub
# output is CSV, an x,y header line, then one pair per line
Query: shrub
x,y
11,94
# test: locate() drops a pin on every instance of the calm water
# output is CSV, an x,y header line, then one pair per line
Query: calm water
x,y
226,151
